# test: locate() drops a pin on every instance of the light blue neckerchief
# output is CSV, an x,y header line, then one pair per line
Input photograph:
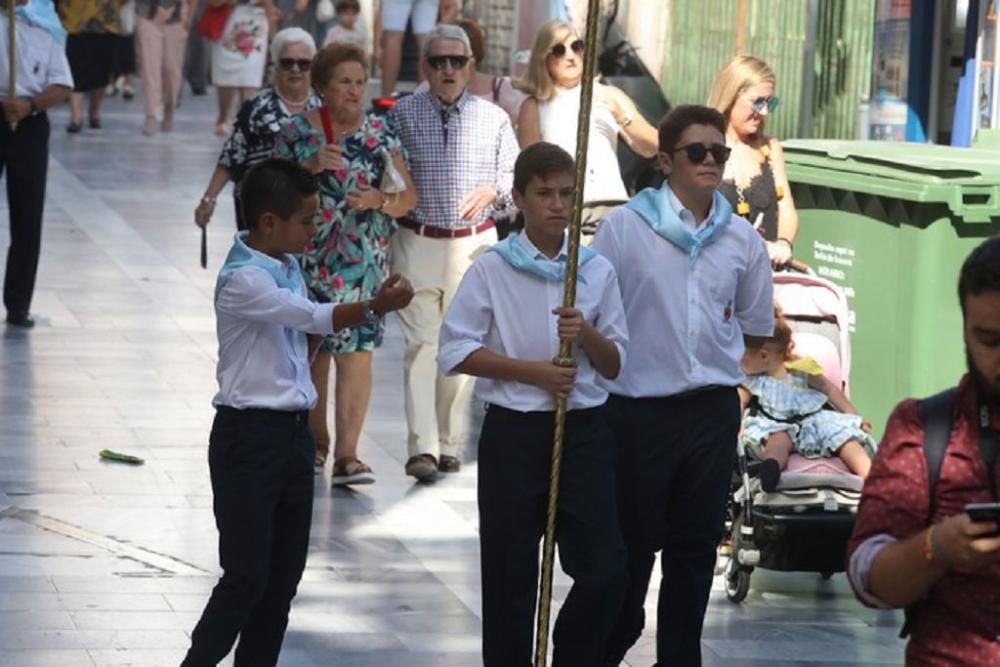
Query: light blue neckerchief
x,y
523,258
656,209
241,255
42,14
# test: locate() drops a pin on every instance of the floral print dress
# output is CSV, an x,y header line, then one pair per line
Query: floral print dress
x,y
349,258
239,56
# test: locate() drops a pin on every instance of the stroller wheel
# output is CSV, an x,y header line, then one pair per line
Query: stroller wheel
x,y
737,581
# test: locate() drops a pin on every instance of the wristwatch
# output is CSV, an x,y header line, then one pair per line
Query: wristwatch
x,y
368,312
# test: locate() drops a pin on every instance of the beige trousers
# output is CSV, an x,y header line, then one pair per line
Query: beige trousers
x,y
161,62
434,415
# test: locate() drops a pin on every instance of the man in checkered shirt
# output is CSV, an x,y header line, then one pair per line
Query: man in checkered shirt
x,y
461,151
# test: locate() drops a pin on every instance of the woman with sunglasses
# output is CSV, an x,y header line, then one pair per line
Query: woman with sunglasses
x,y
755,182
354,153
261,117
553,81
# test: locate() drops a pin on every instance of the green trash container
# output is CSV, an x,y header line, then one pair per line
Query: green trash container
x,y
891,224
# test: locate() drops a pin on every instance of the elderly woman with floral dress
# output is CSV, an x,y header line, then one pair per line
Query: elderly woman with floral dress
x,y
348,260
261,117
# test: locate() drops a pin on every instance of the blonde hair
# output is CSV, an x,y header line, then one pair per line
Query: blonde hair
x,y
537,81
741,74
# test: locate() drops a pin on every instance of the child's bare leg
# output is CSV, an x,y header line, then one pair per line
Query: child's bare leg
x,y
855,457
777,449
779,446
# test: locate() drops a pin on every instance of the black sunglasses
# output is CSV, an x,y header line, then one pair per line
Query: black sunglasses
x,y
440,62
288,64
698,152
559,50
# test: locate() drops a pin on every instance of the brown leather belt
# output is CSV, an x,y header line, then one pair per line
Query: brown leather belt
x,y
433,232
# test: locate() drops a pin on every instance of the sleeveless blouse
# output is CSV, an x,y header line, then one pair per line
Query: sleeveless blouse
x,y
557,118
762,196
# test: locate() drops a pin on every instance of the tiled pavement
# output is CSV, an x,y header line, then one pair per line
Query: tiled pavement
x,y
104,564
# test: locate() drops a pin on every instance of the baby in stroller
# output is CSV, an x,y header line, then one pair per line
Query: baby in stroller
x,y
789,406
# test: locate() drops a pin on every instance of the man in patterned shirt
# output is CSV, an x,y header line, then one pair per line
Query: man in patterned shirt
x,y
461,150
926,553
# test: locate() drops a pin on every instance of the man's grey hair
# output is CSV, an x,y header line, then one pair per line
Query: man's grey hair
x,y
291,36
446,32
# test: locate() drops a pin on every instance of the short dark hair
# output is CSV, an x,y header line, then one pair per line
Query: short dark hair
x,y
980,271
331,55
348,6
681,118
477,39
276,186
542,159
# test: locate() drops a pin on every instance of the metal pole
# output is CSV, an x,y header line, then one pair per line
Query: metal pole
x,y
565,357
12,55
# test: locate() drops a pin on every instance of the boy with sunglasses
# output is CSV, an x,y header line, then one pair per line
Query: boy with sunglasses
x,y
697,288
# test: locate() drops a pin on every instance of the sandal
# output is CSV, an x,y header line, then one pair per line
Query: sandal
x,y
348,471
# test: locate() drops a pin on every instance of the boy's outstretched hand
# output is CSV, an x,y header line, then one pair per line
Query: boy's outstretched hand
x,y
394,294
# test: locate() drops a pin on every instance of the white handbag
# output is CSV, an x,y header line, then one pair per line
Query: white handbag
x,y
392,181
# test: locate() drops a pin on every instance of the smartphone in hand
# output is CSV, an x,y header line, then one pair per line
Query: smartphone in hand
x,y
984,512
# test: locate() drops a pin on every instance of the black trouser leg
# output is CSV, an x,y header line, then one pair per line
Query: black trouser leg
x,y
513,488
263,507
515,457
695,510
677,456
591,550
24,156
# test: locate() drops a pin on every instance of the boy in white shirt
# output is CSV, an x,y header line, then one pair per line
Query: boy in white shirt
x,y
504,326
261,450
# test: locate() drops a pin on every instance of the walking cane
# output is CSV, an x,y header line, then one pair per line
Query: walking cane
x,y
12,54
565,357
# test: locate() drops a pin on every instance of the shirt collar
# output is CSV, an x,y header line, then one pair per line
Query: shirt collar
x,y
285,262
459,104
538,254
685,213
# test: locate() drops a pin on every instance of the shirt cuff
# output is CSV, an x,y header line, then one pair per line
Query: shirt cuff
x,y
859,568
451,355
759,329
323,318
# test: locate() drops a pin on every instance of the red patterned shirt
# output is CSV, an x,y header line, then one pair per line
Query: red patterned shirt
x,y
958,623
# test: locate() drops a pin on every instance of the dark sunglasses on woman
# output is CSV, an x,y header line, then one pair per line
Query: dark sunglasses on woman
x,y
288,64
760,103
559,50
698,152
439,62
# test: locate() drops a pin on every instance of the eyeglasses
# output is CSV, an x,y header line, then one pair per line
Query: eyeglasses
x,y
288,64
759,104
440,62
698,152
559,50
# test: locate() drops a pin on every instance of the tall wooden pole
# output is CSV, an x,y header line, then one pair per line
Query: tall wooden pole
x,y
565,357
12,55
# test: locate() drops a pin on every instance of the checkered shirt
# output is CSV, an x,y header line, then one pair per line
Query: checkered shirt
x,y
452,151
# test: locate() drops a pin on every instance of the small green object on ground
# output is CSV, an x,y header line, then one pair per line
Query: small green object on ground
x,y
109,455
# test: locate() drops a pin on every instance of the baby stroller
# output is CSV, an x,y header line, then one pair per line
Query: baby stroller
x,y
805,524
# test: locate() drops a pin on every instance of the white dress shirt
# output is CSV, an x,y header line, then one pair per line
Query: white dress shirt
x,y
41,61
686,318
263,354
509,312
